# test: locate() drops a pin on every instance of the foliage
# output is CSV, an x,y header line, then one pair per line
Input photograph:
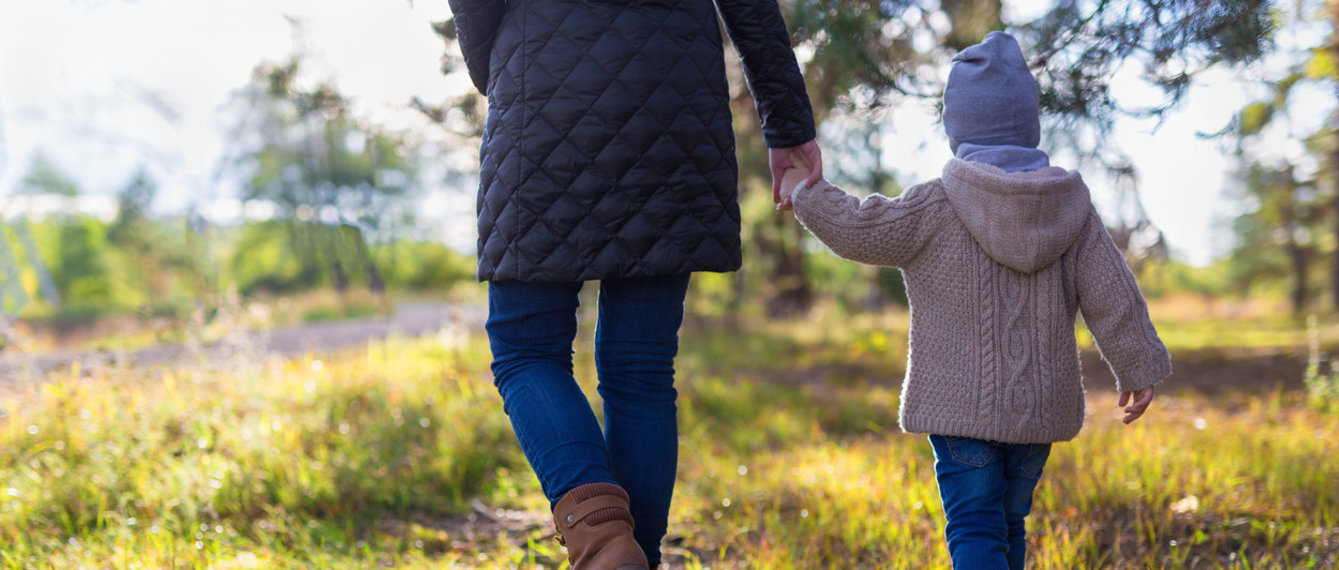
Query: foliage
x,y
1281,235
79,266
45,176
337,181
1289,229
263,261
164,266
1079,46
417,265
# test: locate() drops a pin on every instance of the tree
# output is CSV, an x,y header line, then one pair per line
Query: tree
x,y
137,236
12,295
1286,219
1257,126
75,267
334,178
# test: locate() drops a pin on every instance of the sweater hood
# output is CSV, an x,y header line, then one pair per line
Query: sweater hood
x,y
1023,220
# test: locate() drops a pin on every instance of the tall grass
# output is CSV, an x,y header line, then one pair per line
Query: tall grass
x,y
398,454
1191,486
295,461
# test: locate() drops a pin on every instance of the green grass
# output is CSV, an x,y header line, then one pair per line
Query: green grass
x,y
296,462
1246,333
790,458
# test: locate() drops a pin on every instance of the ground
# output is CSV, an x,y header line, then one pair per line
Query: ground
x,y
792,427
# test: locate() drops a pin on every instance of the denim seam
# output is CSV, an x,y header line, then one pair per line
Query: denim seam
x,y
1028,462
973,460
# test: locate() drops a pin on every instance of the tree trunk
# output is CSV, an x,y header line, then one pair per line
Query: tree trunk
x,y
788,291
45,283
12,295
1297,259
1333,166
1334,263
738,292
375,283
793,294
341,277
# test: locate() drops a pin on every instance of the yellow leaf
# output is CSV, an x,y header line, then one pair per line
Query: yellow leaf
x,y
1254,118
1321,65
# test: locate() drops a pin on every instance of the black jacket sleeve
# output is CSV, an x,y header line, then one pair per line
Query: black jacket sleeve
x,y
476,25
759,34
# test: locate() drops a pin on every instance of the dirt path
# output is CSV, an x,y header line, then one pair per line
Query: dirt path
x,y
408,319
1216,372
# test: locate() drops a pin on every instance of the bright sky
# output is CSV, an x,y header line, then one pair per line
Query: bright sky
x,y
75,76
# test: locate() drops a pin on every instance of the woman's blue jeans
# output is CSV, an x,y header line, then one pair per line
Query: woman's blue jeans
x,y
986,488
531,327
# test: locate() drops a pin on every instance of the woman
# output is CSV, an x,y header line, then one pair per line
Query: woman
x,y
608,155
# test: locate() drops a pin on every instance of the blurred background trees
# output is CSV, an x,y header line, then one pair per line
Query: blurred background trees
x,y
333,182
328,198
1289,227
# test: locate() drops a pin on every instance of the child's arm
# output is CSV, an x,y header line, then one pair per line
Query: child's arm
x,y
1116,314
878,230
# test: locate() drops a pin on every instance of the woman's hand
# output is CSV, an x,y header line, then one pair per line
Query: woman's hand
x,y
806,156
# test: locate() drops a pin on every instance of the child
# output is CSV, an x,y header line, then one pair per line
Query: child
x,y
998,255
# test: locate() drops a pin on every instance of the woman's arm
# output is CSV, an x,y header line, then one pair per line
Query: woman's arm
x,y
476,26
760,36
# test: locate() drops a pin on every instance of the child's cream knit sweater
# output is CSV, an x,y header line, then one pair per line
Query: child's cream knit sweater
x,y
996,266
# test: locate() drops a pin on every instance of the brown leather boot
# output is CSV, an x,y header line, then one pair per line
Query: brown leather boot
x,y
594,523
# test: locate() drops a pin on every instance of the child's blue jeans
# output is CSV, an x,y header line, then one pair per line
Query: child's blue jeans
x,y
531,327
986,488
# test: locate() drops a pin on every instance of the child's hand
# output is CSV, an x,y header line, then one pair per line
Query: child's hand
x,y
791,179
781,160
1142,398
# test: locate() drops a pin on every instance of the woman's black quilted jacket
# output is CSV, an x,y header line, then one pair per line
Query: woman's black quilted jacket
x,y
608,150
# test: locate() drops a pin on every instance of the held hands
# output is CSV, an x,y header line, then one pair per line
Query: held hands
x,y
788,165
1142,398
791,180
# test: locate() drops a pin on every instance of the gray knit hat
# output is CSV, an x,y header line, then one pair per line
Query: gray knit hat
x,y
991,97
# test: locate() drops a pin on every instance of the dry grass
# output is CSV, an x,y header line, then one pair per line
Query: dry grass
x,y
400,455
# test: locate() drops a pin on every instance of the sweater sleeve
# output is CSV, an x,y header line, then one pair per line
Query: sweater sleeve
x,y
476,25
1116,314
760,36
877,230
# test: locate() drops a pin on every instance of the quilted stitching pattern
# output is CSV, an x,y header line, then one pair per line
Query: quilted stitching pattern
x,y
608,149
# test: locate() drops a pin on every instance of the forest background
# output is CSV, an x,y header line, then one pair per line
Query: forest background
x,y
152,416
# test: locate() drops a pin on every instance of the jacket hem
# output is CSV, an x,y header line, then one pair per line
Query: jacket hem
x,y
978,431
598,275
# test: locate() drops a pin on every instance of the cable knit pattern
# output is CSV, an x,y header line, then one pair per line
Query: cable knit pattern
x,y
986,326
993,354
